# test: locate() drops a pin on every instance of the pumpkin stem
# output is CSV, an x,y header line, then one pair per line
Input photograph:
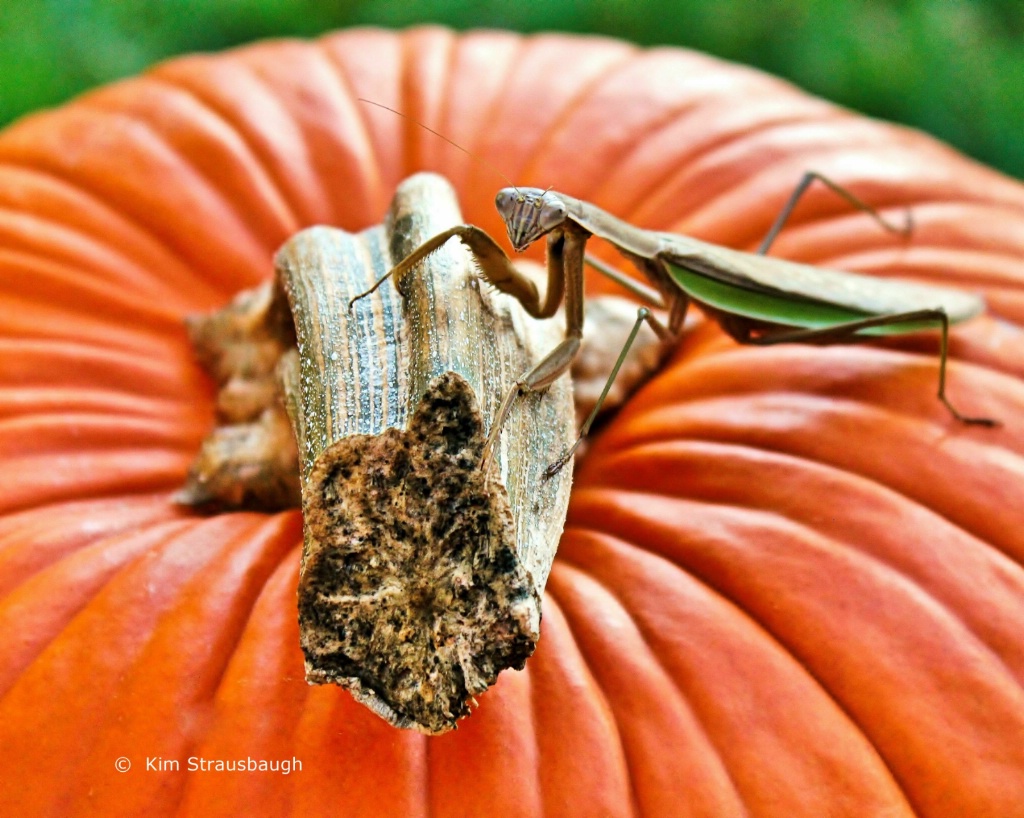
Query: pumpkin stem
x,y
421,575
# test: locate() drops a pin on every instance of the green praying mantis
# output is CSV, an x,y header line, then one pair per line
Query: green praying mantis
x,y
756,299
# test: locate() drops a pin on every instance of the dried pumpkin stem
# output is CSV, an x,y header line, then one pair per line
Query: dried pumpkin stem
x,y
421,575
249,459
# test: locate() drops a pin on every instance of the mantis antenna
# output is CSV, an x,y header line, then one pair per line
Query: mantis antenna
x,y
470,154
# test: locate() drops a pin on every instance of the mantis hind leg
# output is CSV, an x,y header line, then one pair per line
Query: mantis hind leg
x,y
840,333
808,179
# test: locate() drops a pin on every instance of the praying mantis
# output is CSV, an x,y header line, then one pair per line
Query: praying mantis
x,y
756,299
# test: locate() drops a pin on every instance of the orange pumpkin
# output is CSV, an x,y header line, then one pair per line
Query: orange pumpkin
x,y
789,585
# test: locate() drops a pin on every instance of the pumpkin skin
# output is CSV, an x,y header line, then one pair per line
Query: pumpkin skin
x,y
790,584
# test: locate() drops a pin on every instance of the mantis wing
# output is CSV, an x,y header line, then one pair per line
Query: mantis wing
x,y
789,293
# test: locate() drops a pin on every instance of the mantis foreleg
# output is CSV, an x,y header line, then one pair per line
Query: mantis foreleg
x,y
495,267
565,277
565,282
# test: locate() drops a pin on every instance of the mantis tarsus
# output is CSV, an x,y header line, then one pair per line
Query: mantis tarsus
x,y
756,299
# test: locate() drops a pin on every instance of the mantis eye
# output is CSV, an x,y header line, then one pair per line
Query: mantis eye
x,y
507,199
552,214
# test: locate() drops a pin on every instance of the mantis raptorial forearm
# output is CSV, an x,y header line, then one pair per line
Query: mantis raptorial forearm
x,y
565,284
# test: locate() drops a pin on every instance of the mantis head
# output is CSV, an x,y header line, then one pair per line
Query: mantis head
x,y
529,213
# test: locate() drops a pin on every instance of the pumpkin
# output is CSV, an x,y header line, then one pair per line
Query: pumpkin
x,y
789,585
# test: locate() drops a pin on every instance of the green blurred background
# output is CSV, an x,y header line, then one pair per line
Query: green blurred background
x,y
954,68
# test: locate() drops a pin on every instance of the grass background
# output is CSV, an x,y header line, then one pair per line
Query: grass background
x,y
954,68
